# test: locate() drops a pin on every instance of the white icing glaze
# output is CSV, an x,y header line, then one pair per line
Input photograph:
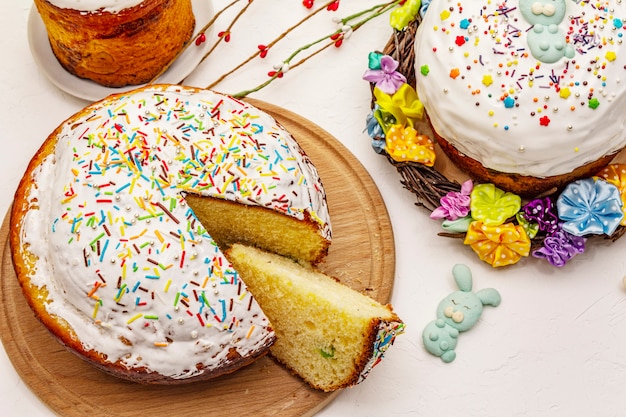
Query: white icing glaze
x,y
111,6
471,114
120,252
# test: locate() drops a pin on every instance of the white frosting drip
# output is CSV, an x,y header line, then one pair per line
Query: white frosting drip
x,y
469,111
121,254
111,6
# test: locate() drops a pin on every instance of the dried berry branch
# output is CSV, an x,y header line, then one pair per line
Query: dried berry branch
x,y
336,38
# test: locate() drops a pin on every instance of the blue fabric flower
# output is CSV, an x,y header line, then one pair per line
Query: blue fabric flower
x,y
379,145
424,8
375,131
590,207
373,127
560,247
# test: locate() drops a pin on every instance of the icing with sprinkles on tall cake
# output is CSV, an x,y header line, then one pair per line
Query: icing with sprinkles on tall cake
x,y
494,102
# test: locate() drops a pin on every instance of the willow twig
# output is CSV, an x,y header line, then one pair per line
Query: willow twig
x,y
192,41
228,29
243,94
377,11
269,45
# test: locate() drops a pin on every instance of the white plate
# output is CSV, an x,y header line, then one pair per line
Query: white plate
x,y
91,91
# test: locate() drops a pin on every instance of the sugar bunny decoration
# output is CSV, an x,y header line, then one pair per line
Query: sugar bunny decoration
x,y
457,313
546,41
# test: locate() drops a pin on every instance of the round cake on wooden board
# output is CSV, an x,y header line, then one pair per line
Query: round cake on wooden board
x,y
115,263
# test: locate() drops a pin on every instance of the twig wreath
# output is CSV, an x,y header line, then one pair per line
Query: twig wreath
x,y
499,227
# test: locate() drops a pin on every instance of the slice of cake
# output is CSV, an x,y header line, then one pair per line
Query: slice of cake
x,y
327,333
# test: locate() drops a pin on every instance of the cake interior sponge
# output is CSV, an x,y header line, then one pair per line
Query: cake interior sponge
x,y
327,333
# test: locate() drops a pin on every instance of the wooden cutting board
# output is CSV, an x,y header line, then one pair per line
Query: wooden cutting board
x,y
362,256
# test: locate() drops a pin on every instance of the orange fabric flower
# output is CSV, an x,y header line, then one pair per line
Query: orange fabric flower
x,y
498,245
405,145
616,174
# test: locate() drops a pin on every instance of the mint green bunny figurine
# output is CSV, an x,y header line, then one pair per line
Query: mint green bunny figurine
x,y
546,41
457,313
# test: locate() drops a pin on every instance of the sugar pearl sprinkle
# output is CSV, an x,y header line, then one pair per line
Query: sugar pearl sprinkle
x,y
148,271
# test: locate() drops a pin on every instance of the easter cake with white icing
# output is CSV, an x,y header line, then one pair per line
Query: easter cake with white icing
x,y
119,227
526,94
113,260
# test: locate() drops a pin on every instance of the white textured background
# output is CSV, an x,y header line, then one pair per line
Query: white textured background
x,y
554,347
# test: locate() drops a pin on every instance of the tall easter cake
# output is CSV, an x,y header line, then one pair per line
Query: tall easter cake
x,y
526,94
117,42
115,263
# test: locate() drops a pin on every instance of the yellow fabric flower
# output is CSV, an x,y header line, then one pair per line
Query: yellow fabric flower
x,y
616,174
405,14
498,245
405,145
404,106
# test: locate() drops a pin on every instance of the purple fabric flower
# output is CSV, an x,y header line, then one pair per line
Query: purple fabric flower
x,y
559,247
542,212
387,79
455,204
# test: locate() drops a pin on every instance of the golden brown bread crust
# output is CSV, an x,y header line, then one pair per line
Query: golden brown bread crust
x,y
24,261
118,49
525,186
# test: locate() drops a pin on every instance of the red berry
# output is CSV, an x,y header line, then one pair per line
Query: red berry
x,y
200,39
333,6
278,74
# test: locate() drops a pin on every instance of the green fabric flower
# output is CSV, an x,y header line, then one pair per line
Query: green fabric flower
x,y
530,228
460,225
492,205
373,60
